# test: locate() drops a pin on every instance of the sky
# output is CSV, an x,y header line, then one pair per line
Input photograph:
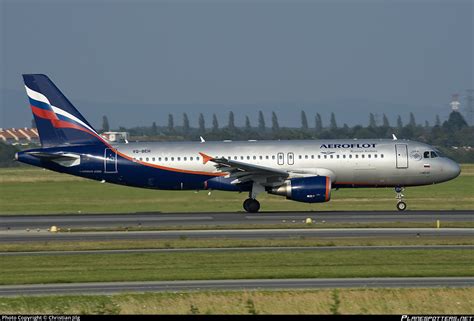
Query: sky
x,y
137,61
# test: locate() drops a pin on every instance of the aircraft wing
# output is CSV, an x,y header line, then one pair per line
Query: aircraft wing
x,y
245,172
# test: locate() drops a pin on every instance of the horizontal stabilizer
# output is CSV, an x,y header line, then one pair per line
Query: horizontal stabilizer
x,y
63,159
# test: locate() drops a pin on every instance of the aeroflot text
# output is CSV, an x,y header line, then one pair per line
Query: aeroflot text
x,y
365,145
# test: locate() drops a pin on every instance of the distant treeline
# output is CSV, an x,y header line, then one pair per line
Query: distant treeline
x,y
454,137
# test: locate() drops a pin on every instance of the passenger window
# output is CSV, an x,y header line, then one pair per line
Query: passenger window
x,y
273,156
369,156
255,157
312,156
331,156
141,159
350,156
197,158
344,156
375,156
305,156
147,159
241,157
179,158
172,159
337,156
266,157
319,156
325,156
185,158
248,157
363,156
191,158
300,157
357,155
381,155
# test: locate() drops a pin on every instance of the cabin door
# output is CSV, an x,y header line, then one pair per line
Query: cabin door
x,y
110,161
401,152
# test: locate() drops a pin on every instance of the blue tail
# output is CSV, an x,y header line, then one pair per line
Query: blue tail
x,y
58,122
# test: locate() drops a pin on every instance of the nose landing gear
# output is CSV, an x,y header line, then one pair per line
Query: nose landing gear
x,y
401,205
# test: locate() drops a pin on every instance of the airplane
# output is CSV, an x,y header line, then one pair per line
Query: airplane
x,y
300,170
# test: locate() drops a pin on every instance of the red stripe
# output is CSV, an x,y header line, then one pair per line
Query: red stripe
x,y
43,113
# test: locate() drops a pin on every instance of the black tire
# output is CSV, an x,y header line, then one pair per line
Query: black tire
x,y
246,204
401,206
253,206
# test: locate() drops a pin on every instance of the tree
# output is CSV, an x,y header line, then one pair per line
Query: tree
x,y
247,123
261,121
231,124
202,123
438,121
332,123
412,122
185,124
319,123
304,121
385,122
372,122
170,123
215,123
455,121
427,124
275,125
105,124
154,129
399,122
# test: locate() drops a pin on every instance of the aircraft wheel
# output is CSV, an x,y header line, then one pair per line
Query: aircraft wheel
x,y
246,204
401,206
251,205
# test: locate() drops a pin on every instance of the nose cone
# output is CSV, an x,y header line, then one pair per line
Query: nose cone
x,y
453,169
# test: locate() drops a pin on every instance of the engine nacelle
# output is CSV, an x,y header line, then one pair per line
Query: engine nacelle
x,y
314,189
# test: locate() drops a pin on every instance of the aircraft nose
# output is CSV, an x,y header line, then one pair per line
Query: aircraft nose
x,y
453,169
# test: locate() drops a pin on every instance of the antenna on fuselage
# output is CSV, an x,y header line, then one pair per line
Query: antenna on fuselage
x,y
394,137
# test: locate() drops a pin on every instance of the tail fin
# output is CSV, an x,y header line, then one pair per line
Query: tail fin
x,y
57,121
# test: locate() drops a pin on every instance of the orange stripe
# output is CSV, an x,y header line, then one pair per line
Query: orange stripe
x,y
169,168
327,188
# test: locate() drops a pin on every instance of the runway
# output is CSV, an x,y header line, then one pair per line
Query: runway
x,y
160,286
74,221
42,236
247,249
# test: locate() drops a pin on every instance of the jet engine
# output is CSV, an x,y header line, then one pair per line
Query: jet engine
x,y
313,189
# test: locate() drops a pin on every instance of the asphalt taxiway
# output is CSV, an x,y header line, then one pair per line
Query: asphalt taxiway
x,y
160,286
43,236
75,221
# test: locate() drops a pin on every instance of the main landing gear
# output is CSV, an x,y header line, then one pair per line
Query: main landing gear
x,y
401,205
251,205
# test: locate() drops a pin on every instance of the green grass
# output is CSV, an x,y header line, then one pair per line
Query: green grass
x,y
229,243
29,269
444,301
36,191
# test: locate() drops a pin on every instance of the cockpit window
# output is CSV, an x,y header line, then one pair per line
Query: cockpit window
x,y
439,153
433,154
426,154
